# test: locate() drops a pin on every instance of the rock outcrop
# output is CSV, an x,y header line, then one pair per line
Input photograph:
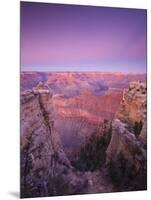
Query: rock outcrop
x,y
125,142
45,169
126,154
133,109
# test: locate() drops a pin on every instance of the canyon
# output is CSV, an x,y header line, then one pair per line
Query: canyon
x,y
77,130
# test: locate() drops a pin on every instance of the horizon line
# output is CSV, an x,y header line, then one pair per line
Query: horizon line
x,y
118,72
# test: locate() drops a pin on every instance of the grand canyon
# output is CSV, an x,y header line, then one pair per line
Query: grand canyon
x,y
83,99
83,132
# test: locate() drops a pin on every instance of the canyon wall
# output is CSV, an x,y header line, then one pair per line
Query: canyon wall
x,y
133,106
126,155
133,109
77,118
120,144
45,169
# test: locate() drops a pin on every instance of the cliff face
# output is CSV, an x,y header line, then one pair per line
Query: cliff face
x,y
126,153
44,165
133,106
133,109
123,141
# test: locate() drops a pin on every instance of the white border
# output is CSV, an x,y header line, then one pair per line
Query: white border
x,y
9,98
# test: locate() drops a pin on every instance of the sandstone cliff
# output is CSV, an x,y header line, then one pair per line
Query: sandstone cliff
x,y
45,169
133,109
126,154
125,142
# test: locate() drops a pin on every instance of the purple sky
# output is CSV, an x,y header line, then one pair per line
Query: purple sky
x,y
57,37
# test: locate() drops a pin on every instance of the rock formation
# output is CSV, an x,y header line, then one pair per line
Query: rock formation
x,y
120,143
81,101
126,154
133,106
125,142
45,169
133,109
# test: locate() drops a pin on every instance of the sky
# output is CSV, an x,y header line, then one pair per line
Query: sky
x,y
59,37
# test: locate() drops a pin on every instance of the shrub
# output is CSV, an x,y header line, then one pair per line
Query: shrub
x,y
92,155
